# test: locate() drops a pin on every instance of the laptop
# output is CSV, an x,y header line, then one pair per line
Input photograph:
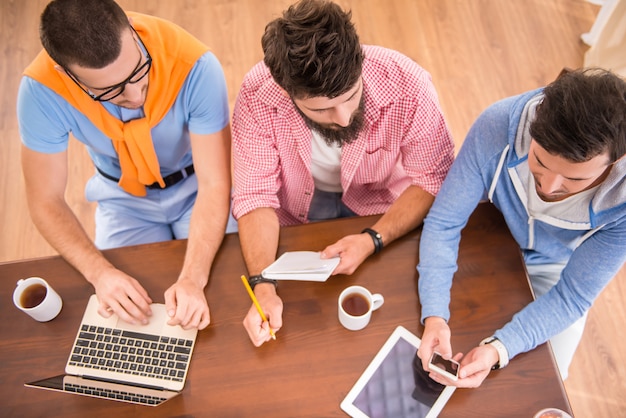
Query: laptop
x,y
112,359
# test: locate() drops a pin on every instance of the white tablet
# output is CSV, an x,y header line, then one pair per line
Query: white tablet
x,y
395,384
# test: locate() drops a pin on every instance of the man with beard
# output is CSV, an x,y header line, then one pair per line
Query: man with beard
x,y
326,128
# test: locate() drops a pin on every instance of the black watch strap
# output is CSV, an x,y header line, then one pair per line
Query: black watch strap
x,y
254,280
376,237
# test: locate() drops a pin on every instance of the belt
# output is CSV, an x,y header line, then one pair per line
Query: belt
x,y
170,180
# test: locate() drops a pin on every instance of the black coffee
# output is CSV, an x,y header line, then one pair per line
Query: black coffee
x,y
33,295
355,304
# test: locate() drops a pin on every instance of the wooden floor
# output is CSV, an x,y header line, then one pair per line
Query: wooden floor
x,y
478,51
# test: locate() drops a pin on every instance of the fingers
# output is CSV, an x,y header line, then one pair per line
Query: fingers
x,y
136,306
253,323
335,250
104,310
259,330
436,337
353,250
331,251
205,320
458,357
170,303
441,379
475,368
470,376
275,322
477,363
270,330
345,266
131,307
190,318
425,352
446,350
471,369
187,308
129,311
121,294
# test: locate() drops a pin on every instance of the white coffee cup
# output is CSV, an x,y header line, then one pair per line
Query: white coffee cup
x,y
552,413
356,305
37,298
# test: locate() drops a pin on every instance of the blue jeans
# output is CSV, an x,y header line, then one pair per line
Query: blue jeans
x,y
328,205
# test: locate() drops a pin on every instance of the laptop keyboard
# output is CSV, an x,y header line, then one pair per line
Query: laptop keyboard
x,y
131,353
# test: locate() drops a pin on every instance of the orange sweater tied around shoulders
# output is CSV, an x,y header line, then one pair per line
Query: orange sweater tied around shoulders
x,y
174,53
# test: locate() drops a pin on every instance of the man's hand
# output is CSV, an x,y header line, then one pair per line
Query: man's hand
x,y
186,305
272,305
352,249
475,367
404,215
436,337
119,293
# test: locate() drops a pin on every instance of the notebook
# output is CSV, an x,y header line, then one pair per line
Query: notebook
x,y
115,360
301,265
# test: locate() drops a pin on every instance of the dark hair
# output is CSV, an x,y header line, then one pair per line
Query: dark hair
x,y
313,50
83,32
583,115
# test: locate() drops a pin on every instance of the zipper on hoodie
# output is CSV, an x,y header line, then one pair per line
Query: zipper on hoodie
x,y
531,232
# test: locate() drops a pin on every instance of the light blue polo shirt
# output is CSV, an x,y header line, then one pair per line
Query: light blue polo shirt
x,y
46,120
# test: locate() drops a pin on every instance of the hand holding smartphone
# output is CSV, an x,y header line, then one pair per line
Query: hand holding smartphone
x,y
447,368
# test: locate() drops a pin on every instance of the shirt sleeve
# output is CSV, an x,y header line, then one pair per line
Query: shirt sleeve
x,y
464,187
590,268
207,96
256,159
42,118
428,149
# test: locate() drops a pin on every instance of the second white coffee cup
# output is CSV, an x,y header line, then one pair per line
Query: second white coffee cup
x,y
356,305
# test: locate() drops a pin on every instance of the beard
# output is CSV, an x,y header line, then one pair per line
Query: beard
x,y
334,134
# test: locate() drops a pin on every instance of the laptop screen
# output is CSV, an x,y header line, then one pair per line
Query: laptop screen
x,y
104,390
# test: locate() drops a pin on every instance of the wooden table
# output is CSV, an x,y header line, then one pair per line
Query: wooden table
x,y
314,362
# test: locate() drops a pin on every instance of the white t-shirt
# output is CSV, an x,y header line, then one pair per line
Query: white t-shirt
x,y
325,164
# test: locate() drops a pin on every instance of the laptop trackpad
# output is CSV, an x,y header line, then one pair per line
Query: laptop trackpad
x,y
157,324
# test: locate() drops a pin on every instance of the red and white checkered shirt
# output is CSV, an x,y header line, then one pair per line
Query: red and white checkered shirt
x,y
405,141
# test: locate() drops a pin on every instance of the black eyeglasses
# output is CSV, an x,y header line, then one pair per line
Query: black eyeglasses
x,y
112,92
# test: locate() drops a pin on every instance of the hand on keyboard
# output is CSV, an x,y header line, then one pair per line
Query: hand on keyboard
x,y
123,295
186,305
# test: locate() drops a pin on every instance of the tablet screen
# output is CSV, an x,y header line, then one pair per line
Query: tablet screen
x,y
395,384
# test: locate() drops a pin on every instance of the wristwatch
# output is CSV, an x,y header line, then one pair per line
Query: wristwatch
x,y
254,280
503,354
376,237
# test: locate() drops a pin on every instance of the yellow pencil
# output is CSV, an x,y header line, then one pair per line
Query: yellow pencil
x,y
256,303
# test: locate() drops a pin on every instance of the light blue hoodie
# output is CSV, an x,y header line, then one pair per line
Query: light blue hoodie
x,y
589,237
